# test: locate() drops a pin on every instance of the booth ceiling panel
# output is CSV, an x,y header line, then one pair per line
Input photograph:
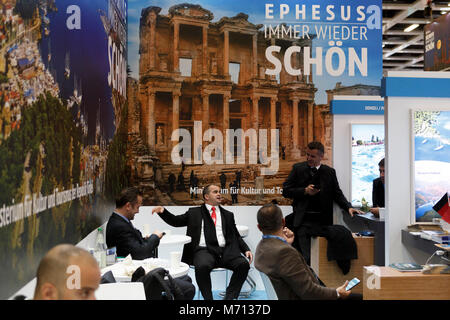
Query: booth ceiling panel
x,y
404,50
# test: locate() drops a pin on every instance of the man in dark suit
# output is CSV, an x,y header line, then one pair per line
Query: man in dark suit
x,y
120,233
378,190
215,242
291,277
313,187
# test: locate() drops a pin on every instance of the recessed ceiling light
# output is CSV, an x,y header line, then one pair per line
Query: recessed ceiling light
x,y
411,27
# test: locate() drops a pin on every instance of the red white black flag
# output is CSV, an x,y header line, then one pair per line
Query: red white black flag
x,y
443,208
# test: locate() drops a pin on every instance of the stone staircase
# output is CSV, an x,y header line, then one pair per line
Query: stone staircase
x,y
210,174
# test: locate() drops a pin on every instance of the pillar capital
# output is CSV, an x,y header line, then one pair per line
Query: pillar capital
x,y
152,13
175,23
227,96
151,19
204,94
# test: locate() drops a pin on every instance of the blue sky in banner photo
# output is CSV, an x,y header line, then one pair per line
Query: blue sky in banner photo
x,y
88,60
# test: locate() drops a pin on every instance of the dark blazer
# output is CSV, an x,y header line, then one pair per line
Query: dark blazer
x,y
300,178
234,245
378,193
291,277
128,240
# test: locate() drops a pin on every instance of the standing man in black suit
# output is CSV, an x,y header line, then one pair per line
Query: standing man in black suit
x,y
120,233
313,186
378,191
216,242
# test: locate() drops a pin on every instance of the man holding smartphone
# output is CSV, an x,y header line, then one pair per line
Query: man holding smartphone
x,y
121,233
286,268
314,187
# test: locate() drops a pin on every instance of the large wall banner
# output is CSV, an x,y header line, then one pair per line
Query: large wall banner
x,y
431,138
62,96
231,92
437,44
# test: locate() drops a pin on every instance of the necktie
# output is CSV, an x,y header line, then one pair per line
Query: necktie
x,y
213,214
313,170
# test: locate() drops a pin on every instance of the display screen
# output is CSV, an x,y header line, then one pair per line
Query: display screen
x,y
431,161
367,151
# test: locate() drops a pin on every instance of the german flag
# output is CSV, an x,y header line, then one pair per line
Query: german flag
x,y
443,208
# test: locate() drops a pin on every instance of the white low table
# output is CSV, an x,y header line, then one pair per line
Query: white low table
x,y
174,239
121,291
243,230
123,273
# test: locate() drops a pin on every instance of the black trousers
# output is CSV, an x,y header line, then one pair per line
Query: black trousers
x,y
204,262
304,242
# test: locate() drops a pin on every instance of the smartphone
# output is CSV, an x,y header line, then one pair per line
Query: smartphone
x,y
316,187
352,284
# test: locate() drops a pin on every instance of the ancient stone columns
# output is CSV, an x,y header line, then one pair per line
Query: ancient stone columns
x,y
205,51
175,116
226,52
255,112
295,150
176,35
255,55
151,120
226,111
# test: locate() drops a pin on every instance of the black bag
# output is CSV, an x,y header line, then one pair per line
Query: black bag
x,y
108,278
137,274
159,285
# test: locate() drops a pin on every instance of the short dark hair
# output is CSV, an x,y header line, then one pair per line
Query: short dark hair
x,y
128,195
206,190
270,218
316,145
381,163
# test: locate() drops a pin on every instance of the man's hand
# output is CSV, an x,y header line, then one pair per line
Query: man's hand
x,y
353,211
288,235
375,211
249,256
311,191
158,233
343,294
158,210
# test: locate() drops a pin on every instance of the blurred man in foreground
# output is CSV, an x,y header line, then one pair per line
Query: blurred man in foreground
x,y
67,273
